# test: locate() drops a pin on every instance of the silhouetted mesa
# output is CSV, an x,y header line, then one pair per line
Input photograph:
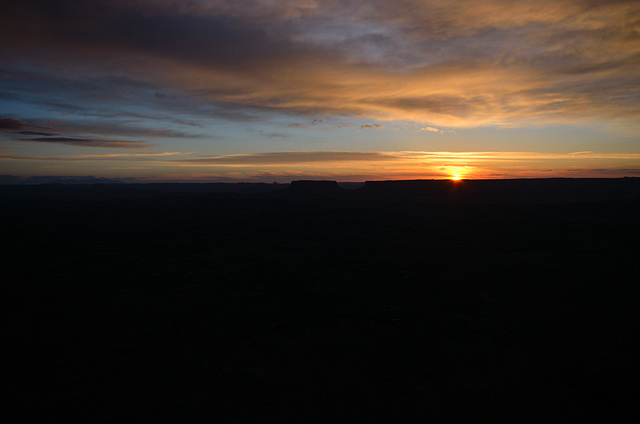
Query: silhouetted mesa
x,y
313,188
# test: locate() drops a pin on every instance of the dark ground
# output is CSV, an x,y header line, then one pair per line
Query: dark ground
x,y
267,307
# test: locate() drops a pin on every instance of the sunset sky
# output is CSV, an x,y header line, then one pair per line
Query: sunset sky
x,y
266,90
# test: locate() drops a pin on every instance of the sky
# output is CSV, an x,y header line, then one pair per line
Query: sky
x,y
266,90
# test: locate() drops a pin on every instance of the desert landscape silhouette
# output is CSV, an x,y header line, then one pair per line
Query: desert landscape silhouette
x,y
398,301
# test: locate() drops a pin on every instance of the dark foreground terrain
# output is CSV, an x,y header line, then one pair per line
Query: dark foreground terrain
x,y
419,302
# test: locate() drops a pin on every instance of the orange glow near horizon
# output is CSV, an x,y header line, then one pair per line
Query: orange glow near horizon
x,y
286,166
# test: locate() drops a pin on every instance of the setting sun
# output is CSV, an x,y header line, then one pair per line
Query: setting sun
x,y
456,178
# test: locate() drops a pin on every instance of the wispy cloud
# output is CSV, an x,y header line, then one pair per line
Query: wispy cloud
x,y
585,152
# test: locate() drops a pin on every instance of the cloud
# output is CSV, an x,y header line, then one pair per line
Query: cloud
x,y
464,63
37,133
129,128
91,142
22,127
12,124
274,135
292,158
322,124
440,158
371,127
13,127
430,129
100,157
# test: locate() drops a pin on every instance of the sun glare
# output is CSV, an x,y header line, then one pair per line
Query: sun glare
x,y
456,178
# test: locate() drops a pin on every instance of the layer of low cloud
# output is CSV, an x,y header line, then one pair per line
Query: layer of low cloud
x,y
343,165
465,63
280,158
302,157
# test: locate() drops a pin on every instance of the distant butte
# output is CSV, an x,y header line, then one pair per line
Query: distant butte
x,y
313,188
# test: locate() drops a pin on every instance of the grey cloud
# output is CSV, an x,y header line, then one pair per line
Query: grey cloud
x,y
91,142
275,135
449,105
48,134
80,134
126,129
371,127
19,126
315,123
